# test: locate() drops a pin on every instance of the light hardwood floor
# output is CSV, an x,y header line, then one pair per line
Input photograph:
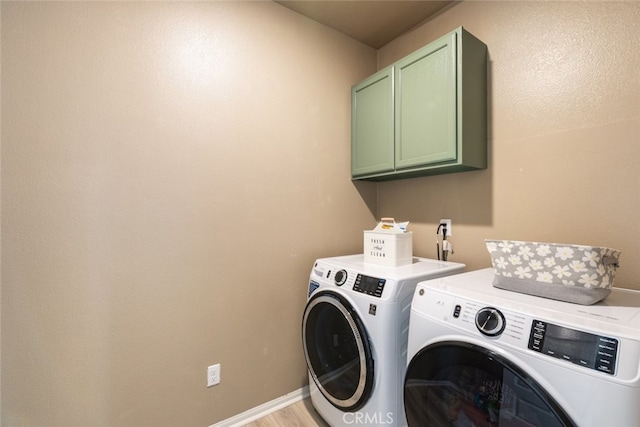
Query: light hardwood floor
x,y
300,414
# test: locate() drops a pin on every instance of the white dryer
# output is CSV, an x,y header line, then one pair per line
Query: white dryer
x,y
354,333
482,356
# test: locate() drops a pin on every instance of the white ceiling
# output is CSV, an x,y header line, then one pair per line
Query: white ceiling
x,y
374,23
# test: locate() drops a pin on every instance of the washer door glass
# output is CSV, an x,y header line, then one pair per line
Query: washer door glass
x,y
337,351
461,384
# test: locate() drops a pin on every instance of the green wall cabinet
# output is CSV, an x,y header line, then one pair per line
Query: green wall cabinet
x,y
424,115
372,149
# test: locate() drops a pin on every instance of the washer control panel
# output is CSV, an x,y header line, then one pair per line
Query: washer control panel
x,y
582,348
369,285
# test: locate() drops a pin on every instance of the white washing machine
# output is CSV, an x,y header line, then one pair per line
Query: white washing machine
x,y
354,333
482,356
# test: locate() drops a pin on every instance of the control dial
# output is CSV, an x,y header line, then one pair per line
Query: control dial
x,y
490,321
340,277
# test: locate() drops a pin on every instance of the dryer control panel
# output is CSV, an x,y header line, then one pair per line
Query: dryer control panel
x,y
582,348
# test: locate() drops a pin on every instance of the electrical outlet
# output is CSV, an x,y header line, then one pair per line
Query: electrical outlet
x,y
213,375
447,223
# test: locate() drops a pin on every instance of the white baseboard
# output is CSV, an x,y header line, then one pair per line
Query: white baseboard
x,y
265,409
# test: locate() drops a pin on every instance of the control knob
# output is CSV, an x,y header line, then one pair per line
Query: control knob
x,y
490,321
340,277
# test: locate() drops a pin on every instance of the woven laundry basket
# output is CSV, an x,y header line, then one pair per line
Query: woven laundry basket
x,y
572,273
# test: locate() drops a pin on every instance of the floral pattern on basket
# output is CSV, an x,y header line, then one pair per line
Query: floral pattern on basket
x,y
571,265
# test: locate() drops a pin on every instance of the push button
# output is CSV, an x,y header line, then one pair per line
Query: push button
x,y
372,309
456,311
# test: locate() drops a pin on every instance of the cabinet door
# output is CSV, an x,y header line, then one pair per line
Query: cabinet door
x,y
425,95
372,147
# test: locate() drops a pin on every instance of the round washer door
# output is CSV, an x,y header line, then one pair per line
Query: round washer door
x,y
337,350
455,383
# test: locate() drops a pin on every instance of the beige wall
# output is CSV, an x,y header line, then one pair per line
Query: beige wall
x,y
564,133
171,170
169,173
